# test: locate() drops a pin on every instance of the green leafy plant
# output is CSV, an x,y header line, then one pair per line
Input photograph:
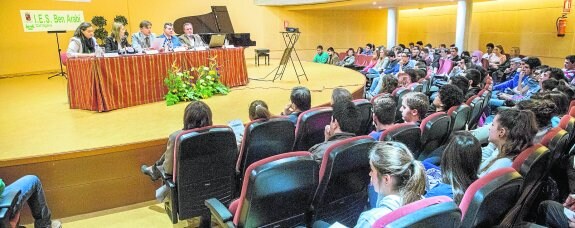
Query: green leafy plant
x,y
100,32
181,85
123,20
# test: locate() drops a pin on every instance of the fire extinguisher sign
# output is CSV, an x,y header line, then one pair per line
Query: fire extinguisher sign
x,y
566,6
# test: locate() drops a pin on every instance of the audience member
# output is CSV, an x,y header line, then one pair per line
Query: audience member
x,y
368,49
320,56
454,54
345,120
397,177
349,59
488,51
497,58
383,84
474,78
383,114
300,102
143,39
544,110
414,106
462,83
372,62
449,95
197,114
554,214
340,95
83,43
569,69
117,41
333,56
259,110
476,58
511,132
31,192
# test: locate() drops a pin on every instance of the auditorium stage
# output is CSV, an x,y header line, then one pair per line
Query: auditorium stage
x,y
83,157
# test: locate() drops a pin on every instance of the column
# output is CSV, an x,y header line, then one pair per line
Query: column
x,y
392,14
464,8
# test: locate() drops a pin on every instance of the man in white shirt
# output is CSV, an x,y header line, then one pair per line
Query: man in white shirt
x,y
489,50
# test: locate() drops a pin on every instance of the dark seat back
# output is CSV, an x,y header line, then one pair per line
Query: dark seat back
x,y
438,211
459,116
344,176
8,209
567,123
399,93
365,115
310,128
476,105
434,132
488,199
204,168
264,138
406,133
277,191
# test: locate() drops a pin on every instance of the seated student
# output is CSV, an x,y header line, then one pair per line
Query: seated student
x,y
197,114
397,177
31,191
259,110
554,214
474,78
83,43
511,74
497,58
381,64
553,72
448,96
117,41
300,98
383,114
461,82
333,57
383,84
527,85
544,110
143,39
191,40
414,105
369,48
340,95
349,59
460,162
459,68
372,62
320,56
171,41
511,132
344,121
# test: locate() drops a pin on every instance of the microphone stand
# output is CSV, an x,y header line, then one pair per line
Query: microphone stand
x,y
61,73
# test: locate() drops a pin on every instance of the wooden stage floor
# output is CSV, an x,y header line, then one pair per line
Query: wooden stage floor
x,y
89,161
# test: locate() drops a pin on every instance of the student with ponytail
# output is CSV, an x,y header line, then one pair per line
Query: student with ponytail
x,y
259,110
512,131
395,175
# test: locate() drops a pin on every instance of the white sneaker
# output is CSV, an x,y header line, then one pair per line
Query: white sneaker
x,y
56,224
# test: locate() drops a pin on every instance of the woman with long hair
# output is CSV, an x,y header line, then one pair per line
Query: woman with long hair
x,y
511,132
117,39
83,43
259,110
460,162
197,114
397,176
497,58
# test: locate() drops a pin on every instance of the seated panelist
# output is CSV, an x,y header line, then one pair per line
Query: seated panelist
x,y
143,39
117,41
171,41
83,43
191,40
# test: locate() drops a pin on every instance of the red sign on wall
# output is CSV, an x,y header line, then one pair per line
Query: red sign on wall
x,y
566,6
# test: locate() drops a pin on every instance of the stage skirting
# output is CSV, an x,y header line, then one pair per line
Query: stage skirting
x,y
104,84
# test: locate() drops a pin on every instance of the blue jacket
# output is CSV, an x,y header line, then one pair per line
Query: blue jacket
x,y
511,83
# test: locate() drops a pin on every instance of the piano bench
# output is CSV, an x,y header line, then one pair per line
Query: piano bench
x,y
262,52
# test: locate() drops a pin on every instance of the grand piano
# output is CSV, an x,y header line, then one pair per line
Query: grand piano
x,y
216,22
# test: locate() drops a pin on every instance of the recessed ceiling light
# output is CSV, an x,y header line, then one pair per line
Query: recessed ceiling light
x,y
379,7
374,3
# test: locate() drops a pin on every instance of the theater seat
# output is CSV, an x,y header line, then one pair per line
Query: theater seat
x,y
344,176
310,128
438,211
567,123
366,116
556,140
476,105
532,165
204,167
406,133
9,214
377,96
277,192
434,132
263,138
459,116
488,199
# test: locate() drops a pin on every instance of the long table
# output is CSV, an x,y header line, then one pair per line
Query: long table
x,y
104,84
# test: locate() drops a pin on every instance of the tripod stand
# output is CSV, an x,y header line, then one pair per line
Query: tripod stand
x,y
290,38
61,73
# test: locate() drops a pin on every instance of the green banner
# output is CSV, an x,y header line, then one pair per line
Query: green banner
x,y
51,20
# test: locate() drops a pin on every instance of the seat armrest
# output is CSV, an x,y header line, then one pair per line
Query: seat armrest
x,y
163,173
217,209
8,198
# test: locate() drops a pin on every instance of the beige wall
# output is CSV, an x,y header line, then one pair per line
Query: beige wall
x,y
32,52
527,24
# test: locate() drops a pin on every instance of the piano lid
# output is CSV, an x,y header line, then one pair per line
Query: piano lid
x,y
218,21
